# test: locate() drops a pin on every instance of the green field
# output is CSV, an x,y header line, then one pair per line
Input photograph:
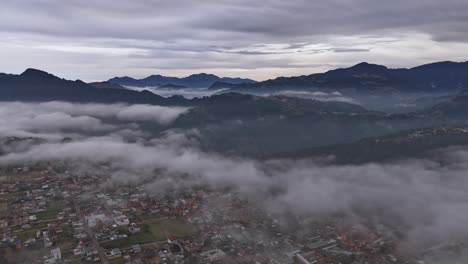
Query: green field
x,y
53,208
3,206
10,195
25,255
154,232
25,235
175,228
31,233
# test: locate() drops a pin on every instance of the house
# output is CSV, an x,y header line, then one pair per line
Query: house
x,y
136,248
114,253
299,259
134,229
212,255
78,252
121,220
56,254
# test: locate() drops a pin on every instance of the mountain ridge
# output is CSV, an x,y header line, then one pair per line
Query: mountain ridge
x,y
201,80
433,77
38,86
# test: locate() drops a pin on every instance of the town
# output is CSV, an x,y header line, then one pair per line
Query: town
x,y
51,215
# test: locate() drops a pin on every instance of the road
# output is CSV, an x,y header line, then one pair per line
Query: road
x,y
91,234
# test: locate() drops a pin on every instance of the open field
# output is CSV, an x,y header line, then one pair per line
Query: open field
x,y
3,206
154,232
53,208
176,228
31,233
8,255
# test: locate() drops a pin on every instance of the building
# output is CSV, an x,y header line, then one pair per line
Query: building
x,y
136,248
321,244
114,253
56,254
299,259
121,220
213,255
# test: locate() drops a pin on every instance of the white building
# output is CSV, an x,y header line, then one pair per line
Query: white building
x,y
213,255
56,254
121,220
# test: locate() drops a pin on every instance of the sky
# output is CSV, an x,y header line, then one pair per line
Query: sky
x,y
97,40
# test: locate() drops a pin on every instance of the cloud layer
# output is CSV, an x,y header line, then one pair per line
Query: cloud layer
x,y
420,203
230,37
185,92
56,119
320,96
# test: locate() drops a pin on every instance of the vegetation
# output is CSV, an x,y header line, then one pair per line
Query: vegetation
x,y
31,233
53,208
153,232
3,206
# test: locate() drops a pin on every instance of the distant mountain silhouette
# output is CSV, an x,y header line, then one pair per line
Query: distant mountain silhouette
x,y
364,77
106,85
37,85
201,80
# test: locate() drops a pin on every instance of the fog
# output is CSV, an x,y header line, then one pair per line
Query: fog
x,y
422,202
320,96
56,119
185,92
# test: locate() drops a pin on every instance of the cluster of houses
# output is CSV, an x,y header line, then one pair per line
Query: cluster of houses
x,y
79,217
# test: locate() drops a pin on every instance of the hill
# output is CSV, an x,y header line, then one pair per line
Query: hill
x,y
36,85
401,145
364,78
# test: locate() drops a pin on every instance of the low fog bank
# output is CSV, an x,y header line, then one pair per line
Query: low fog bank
x,y
388,101
420,202
188,92
317,95
55,120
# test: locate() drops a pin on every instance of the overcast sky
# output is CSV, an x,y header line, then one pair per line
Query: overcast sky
x,y
96,40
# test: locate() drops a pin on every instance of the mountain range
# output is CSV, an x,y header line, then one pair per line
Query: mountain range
x,y
246,124
37,85
364,77
202,80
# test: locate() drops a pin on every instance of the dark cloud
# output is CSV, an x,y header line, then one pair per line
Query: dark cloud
x,y
85,37
172,20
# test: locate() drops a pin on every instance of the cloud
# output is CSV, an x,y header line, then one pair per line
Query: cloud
x,y
59,119
185,92
419,203
320,96
160,114
178,38
350,50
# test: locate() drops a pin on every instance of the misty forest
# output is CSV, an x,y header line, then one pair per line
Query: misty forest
x,y
325,132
